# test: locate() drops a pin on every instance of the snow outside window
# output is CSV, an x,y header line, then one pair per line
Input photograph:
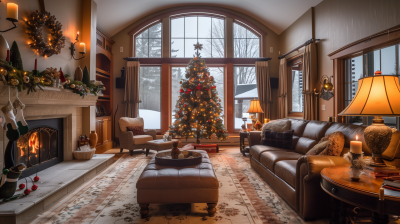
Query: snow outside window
x,y
150,95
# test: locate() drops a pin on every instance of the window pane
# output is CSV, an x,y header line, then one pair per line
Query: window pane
x,y
245,90
253,48
150,95
377,61
250,34
239,31
204,27
218,73
239,46
142,48
189,48
297,89
206,52
144,34
190,27
177,28
177,48
388,61
178,73
155,48
218,28
218,48
155,31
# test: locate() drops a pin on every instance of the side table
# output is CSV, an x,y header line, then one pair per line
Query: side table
x,y
363,193
243,147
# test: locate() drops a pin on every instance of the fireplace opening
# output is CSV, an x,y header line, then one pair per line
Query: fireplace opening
x,y
41,147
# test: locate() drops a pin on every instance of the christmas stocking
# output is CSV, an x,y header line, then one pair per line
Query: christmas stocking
x,y
12,128
19,117
9,180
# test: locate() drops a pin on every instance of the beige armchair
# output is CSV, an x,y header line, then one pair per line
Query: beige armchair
x,y
130,141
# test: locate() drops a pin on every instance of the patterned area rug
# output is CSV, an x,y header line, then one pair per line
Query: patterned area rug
x,y
110,197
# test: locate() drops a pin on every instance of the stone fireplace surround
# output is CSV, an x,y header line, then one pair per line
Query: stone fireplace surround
x,y
51,103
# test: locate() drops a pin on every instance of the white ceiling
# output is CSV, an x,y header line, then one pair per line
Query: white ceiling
x,y
115,15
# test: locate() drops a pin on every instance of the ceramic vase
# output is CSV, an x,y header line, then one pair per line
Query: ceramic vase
x,y
93,139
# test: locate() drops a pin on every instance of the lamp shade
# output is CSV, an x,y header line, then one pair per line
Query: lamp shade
x,y
255,107
377,95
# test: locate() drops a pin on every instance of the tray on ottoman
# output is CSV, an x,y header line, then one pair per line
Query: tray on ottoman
x,y
191,158
160,184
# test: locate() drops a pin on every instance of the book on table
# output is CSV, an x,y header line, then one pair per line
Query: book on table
x,y
393,181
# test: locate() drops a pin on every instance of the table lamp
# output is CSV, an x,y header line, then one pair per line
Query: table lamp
x,y
254,109
376,96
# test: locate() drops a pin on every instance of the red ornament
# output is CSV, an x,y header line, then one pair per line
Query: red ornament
x,y
21,186
181,91
27,191
36,178
184,105
34,187
213,87
189,90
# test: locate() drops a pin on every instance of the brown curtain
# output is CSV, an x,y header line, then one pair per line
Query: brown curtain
x,y
310,80
282,90
131,97
263,88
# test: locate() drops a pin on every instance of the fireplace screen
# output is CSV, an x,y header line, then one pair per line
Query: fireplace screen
x,y
39,145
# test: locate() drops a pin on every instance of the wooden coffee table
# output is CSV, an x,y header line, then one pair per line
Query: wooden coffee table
x,y
364,194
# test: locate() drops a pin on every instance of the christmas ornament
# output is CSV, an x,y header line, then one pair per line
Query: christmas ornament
x,y
26,79
72,86
3,72
34,187
14,82
36,178
176,116
181,91
21,186
27,191
36,80
68,81
87,90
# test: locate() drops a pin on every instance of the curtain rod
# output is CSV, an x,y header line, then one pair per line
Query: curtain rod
x,y
263,59
131,59
305,44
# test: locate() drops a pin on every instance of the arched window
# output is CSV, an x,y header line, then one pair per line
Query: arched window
x,y
148,42
246,44
188,30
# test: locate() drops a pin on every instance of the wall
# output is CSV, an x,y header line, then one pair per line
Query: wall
x,y
122,39
68,13
338,23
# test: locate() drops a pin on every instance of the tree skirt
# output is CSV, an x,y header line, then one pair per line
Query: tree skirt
x,y
110,197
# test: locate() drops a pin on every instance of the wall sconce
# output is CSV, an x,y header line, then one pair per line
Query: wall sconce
x,y
12,15
82,48
326,87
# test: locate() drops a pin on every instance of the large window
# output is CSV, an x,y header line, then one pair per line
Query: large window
x,y
246,44
297,88
245,90
387,60
186,31
178,73
148,42
150,95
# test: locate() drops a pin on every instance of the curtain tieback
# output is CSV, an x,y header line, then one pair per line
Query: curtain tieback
x,y
282,95
131,101
307,92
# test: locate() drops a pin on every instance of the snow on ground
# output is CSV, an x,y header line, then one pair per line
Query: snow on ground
x,y
152,119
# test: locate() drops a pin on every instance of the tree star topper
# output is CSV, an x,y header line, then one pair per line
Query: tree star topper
x,y
198,46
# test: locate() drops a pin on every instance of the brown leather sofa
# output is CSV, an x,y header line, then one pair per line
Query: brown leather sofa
x,y
295,176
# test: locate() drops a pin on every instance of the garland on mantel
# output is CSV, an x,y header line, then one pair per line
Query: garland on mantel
x,y
31,81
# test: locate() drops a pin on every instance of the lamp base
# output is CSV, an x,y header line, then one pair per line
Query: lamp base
x,y
377,137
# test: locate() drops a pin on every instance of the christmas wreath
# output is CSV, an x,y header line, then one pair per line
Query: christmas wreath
x,y
35,25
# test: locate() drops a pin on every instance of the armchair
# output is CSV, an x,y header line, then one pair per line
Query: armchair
x,y
130,141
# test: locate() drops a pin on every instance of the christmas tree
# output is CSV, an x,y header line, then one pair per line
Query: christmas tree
x,y
198,109
86,77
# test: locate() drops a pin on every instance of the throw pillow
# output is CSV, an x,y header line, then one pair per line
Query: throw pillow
x,y
278,139
336,145
277,125
125,122
136,130
318,148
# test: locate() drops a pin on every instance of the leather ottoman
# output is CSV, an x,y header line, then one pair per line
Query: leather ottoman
x,y
169,185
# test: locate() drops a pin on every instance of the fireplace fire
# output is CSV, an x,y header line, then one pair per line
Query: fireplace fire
x,y
41,147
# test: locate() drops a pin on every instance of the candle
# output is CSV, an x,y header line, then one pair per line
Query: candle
x,y
8,55
12,11
356,146
36,63
381,193
82,48
265,120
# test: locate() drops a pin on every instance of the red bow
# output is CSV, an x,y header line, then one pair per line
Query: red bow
x,y
213,87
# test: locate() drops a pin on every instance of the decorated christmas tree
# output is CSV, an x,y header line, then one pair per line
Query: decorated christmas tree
x,y
198,109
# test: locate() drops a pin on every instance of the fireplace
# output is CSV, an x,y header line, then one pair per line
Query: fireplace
x,y
41,147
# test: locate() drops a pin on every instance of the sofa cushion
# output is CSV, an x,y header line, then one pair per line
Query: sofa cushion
x,y
315,129
298,126
136,130
125,122
278,139
141,139
277,125
336,144
270,158
294,141
318,148
304,145
256,150
286,170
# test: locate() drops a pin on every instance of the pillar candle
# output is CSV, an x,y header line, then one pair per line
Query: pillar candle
x,y
265,120
356,146
381,193
82,48
35,64
8,55
12,11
